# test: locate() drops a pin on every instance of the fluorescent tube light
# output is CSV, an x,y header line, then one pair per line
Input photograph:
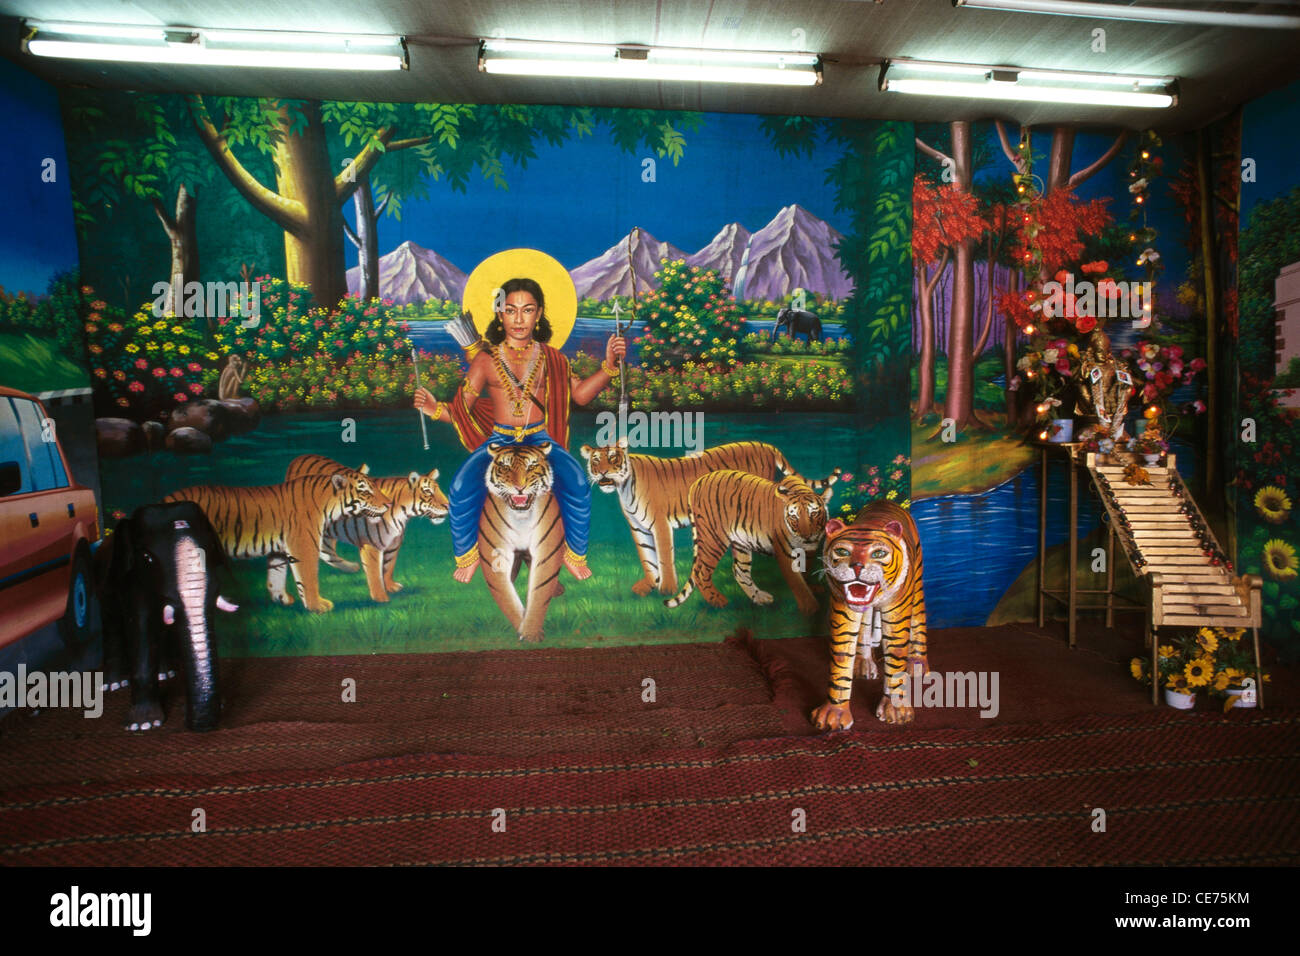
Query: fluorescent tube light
x,y
1115,11
635,62
187,46
1031,86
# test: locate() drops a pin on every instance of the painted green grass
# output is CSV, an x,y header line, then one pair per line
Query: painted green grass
x,y
976,462
31,364
435,613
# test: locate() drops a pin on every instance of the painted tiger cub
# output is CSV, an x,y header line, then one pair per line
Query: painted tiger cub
x,y
873,564
285,523
654,491
377,538
521,524
749,513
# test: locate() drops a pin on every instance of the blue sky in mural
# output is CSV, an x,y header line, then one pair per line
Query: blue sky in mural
x,y
576,200
38,239
1270,135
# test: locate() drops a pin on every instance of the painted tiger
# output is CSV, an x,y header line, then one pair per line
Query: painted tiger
x,y
285,523
377,538
749,513
654,491
521,524
875,565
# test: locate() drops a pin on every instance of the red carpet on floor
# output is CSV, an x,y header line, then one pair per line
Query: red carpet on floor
x,y
561,752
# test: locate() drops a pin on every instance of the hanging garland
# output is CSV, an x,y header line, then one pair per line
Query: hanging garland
x,y
1143,169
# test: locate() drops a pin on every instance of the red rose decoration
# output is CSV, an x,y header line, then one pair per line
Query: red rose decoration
x,y
1085,324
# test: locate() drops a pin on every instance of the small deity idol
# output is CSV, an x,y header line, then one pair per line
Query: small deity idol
x,y
1106,383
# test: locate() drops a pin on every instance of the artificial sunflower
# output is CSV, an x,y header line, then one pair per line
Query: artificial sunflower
x,y
1232,635
1206,641
1280,562
1272,504
1135,668
1166,650
1198,671
1221,680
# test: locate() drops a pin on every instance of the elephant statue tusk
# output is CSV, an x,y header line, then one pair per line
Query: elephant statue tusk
x,y
225,605
169,615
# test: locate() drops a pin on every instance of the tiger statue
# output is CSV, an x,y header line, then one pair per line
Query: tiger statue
x,y
378,539
285,523
521,523
875,565
653,492
750,513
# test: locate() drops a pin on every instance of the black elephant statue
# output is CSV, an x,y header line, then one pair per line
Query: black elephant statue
x,y
156,576
798,322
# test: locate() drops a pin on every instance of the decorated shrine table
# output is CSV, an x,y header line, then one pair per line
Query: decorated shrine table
x,y
1071,453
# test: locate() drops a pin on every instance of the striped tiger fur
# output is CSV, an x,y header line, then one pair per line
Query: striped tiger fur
x,y
654,491
521,524
875,565
749,513
285,523
377,539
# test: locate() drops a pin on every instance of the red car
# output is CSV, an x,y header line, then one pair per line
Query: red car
x,y
47,524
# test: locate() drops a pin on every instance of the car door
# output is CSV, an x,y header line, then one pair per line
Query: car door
x,y
39,521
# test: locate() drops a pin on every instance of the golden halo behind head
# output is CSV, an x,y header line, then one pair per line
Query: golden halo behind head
x,y
494,271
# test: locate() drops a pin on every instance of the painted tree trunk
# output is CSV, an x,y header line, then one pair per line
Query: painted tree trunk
x,y
1058,164
182,235
313,247
959,397
367,238
925,364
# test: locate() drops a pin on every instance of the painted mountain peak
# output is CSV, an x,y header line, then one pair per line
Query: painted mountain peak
x,y
412,273
724,253
795,250
608,275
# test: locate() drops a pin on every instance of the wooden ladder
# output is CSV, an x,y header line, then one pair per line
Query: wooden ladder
x,y
1166,539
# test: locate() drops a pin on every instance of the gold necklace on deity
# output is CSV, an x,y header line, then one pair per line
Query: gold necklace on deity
x,y
518,395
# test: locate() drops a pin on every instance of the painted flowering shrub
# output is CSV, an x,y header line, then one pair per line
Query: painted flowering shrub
x,y
743,387
360,381
291,326
691,317
873,482
144,365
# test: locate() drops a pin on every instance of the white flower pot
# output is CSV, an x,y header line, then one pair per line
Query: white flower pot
x,y
1235,692
1180,701
1065,430
1153,460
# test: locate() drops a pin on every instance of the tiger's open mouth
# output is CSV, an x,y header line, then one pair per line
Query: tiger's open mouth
x,y
438,516
520,502
860,594
606,484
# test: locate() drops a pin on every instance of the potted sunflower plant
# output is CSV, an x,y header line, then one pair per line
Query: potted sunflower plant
x,y
1185,667
1234,666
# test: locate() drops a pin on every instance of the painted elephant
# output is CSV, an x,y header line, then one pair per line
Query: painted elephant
x,y
797,322
159,597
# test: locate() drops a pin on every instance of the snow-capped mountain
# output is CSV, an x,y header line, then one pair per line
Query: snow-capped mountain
x,y
412,273
794,250
608,274
724,253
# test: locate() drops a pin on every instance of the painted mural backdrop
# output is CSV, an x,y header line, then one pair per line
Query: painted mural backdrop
x,y
1268,341
322,249
40,342
998,211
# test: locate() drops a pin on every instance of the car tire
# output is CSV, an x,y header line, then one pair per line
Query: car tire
x,y
75,625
